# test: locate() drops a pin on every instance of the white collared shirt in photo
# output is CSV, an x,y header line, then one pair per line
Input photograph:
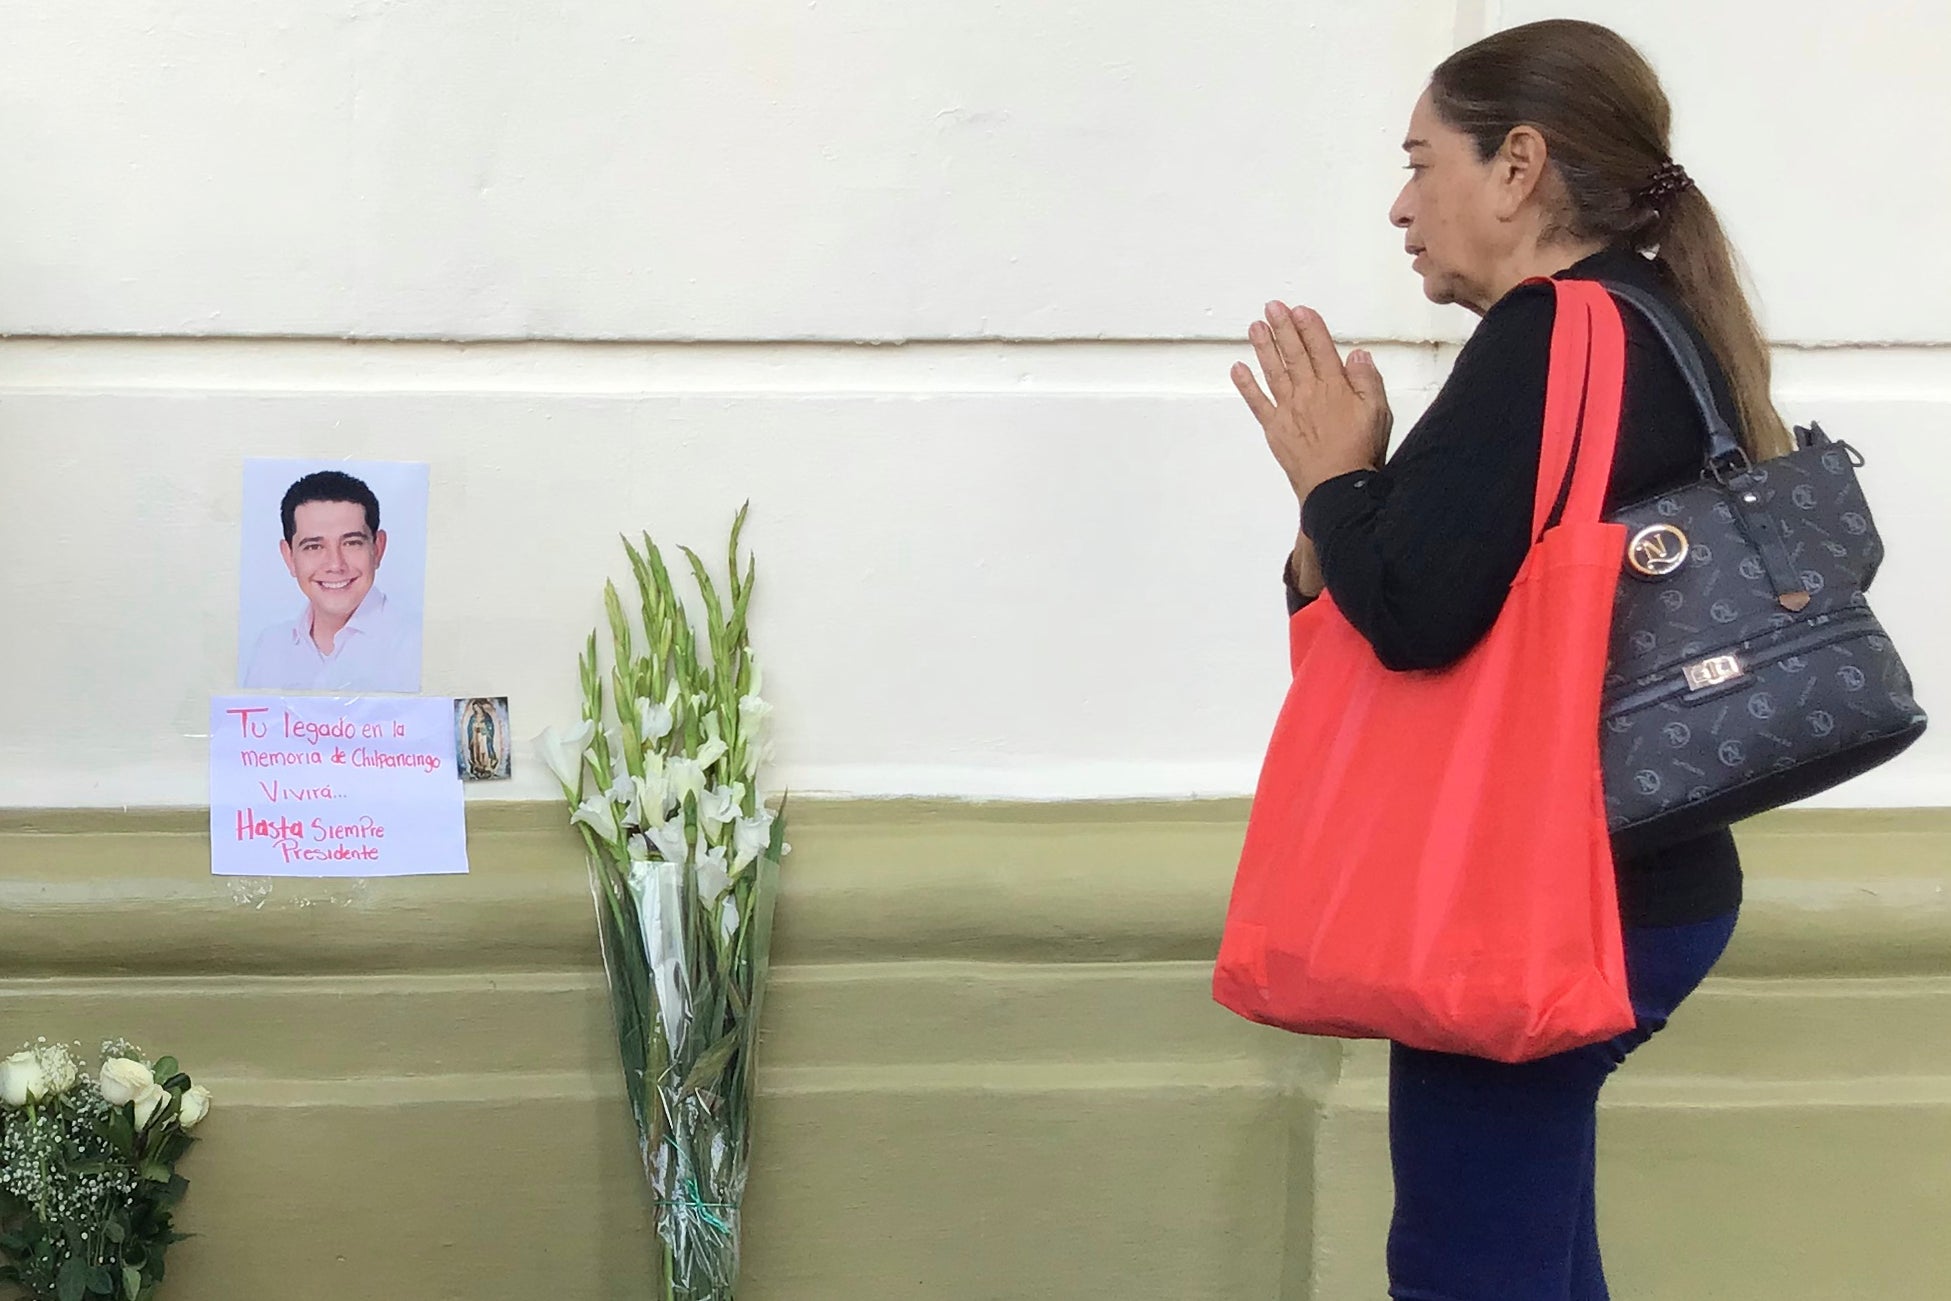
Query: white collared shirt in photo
x,y
377,650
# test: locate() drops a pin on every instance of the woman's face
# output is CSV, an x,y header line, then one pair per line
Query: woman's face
x,y
1449,212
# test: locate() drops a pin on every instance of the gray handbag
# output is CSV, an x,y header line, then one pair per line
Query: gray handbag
x,y
1747,670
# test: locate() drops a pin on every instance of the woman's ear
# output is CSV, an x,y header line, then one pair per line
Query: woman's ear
x,y
1519,169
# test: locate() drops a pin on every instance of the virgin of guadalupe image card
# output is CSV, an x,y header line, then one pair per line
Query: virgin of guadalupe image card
x,y
481,739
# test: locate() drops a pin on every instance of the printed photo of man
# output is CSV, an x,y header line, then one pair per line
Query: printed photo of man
x,y
346,638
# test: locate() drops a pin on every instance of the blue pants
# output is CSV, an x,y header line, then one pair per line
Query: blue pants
x,y
1494,1163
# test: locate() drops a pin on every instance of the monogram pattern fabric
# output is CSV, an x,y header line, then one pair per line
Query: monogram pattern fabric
x,y
1719,695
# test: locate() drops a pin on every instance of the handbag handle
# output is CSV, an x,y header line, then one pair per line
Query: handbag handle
x,y
1757,520
1722,446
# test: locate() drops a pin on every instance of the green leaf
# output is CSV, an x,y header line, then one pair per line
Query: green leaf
x,y
173,1193
155,1172
765,897
71,1284
101,1282
777,841
166,1068
121,1130
711,1063
114,1231
131,1283
731,549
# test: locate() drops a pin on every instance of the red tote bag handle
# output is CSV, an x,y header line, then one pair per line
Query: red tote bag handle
x,y
1583,396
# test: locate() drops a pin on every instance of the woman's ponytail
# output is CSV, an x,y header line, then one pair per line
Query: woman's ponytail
x,y
1699,263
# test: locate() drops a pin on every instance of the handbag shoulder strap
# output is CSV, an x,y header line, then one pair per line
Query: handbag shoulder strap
x,y
1722,445
1583,394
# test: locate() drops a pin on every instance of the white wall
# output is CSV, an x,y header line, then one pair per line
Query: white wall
x,y
1022,543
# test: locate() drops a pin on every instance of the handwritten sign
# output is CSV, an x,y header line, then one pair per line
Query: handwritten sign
x,y
310,786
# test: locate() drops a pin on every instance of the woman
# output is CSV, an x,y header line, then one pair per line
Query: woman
x,y
1540,151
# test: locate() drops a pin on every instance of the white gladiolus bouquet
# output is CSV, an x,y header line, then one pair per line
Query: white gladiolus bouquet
x,y
663,779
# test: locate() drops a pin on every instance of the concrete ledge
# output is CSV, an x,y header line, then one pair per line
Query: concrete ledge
x,y
950,1129
1830,892
992,1068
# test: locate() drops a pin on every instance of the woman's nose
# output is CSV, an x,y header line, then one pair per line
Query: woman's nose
x,y
1399,214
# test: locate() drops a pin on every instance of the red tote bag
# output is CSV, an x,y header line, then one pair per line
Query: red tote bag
x,y
1427,858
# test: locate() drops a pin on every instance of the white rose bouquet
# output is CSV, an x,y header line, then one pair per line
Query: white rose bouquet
x,y
663,779
88,1177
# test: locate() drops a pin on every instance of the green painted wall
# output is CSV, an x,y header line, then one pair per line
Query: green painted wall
x,y
992,1069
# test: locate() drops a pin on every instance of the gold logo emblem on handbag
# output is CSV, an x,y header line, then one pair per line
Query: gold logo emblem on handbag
x,y
1657,550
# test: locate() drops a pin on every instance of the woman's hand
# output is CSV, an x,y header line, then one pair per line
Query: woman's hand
x,y
1322,420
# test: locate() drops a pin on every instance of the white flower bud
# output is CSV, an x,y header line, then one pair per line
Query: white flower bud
x,y
654,721
668,839
751,837
623,792
599,815
713,879
196,1105
148,1102
684,776
563,753
720,805
123,1079
21,1079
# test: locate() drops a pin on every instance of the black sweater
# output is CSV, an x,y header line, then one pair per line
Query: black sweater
x,y
1420,554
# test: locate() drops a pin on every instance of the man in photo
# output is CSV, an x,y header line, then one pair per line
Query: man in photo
x,y
345,638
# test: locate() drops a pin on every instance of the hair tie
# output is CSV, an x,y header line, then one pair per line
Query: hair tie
x,y
1667,180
